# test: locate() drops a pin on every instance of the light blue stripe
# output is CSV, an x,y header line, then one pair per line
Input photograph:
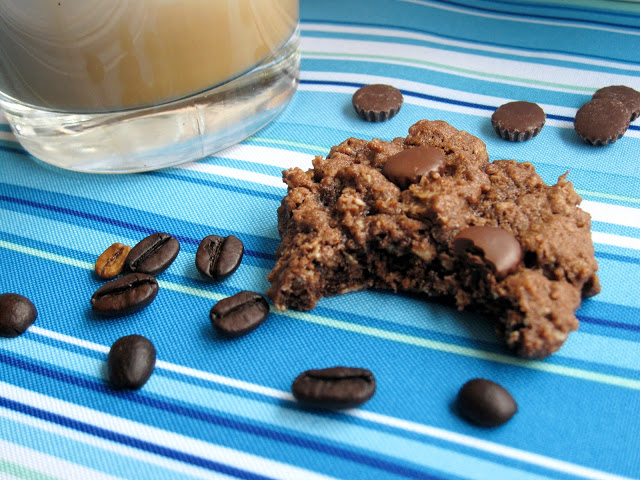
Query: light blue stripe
x,y
82,453
273,414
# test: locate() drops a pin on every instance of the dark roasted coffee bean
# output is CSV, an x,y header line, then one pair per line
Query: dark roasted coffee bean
x,y
485,403
239,314
111,262
410,165
499,248
218,257
125,295
153,254
130,362
336,387
17,313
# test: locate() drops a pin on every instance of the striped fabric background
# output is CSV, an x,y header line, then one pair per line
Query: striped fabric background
x,y
223,409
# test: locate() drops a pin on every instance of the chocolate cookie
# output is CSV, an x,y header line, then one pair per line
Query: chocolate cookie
x,y
518,121
629,97
377,102
491,236
602,121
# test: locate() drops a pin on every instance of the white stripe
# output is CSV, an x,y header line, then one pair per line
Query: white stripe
x,y
156,436
107,445
553,23
233,173
405,425
47,464
267,156
615,240
391,32
616,214
468,61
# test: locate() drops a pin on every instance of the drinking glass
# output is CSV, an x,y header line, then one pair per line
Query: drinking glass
x,y
111,86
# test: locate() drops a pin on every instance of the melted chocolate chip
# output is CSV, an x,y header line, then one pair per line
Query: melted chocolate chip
x,y
410,165
499,248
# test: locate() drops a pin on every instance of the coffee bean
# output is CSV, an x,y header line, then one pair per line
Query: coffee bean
x,y
410,165
111,262
153,254
485,403
130,362
17,313
218,257
239,314
499,248
336,387
125,295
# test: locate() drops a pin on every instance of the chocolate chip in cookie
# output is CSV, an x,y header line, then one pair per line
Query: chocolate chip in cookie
x,y
377,102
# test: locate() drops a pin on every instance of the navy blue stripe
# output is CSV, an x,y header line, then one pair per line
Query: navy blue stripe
x,y
217,185
450,37
117,223
609,323
618,258
140,398
436,99
129,441
536,17
590,11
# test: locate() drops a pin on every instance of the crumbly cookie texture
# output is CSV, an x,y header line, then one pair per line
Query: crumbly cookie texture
x,y
345,227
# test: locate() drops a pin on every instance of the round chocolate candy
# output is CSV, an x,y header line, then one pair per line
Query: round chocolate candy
x,y
499,248
518,121
629,97
602,121
377,102
410,165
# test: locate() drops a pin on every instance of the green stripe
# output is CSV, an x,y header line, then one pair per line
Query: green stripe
x,y
608,196
377,332
20,471
351,56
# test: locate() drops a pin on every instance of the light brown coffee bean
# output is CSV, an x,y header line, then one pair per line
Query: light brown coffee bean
x,y
111,262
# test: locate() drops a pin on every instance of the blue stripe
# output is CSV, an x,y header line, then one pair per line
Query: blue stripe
x,y
570,8
145,400
435,98
536,17
129,441
117,223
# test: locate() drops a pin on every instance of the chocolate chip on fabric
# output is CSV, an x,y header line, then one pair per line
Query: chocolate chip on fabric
x,y
125,295
17,313
485,403
377,102
602,121
409,166
218,257
153,254
130,362
498,247
335,387
629,97
239,314
518,121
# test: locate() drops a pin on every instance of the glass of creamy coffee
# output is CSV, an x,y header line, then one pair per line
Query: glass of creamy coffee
x,y
112,86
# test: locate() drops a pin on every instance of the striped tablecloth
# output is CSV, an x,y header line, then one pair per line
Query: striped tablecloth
x,y
223,409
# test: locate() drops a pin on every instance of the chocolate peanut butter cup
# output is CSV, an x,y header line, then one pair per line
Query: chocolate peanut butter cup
x,y
629,97
602,121
377,102
518,121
